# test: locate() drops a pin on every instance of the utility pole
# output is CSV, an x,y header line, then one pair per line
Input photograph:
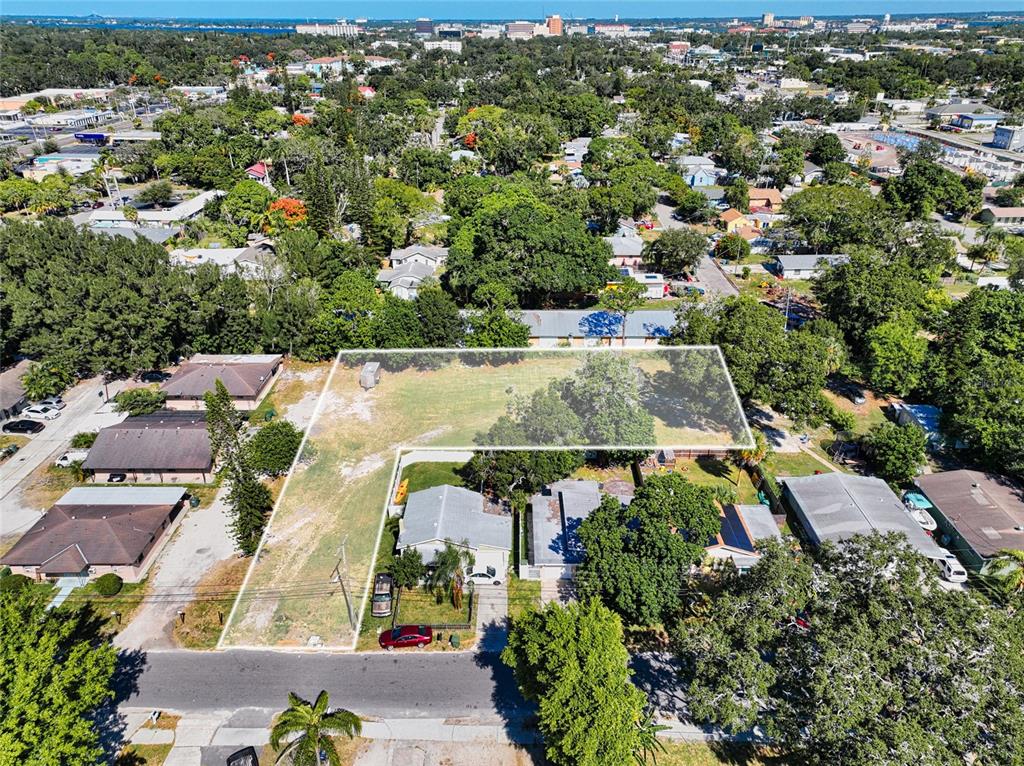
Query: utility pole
x,y
789,292
339,576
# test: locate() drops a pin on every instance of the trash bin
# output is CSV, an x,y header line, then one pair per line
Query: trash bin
x,y
270,414
455,640
193,501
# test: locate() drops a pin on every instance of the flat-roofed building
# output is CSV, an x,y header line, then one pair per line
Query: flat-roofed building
x,y
833,507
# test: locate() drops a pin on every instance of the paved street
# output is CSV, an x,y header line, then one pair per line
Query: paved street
x,y
708,274
402,684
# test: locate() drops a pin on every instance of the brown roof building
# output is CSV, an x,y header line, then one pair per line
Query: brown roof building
x,y
94,530
247,377
165,447
12,392
980,513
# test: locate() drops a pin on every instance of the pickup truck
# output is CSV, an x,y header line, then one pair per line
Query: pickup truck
x,y
68,458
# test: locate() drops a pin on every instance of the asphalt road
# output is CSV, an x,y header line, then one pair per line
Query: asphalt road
x,y
409,684
400,685
708,274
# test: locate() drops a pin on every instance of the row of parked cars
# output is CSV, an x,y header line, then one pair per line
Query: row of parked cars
x,y
30,420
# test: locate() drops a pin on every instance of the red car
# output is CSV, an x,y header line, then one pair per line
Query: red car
x,y
406,635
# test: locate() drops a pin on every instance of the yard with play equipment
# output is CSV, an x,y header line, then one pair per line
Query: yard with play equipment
x,y
307,584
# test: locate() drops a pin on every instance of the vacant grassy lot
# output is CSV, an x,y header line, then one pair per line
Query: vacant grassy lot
x,y
327,521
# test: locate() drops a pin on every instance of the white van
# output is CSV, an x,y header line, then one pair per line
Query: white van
x,y
950,569
74,456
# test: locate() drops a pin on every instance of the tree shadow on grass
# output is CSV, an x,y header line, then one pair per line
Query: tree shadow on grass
x,y
715,466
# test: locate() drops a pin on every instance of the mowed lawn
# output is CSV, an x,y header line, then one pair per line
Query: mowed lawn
x,y
427,475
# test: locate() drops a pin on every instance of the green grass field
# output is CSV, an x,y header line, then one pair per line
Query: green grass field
x,y
427,475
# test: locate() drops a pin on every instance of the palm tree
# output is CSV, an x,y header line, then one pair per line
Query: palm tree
x,y
1007,569
314,724
647,743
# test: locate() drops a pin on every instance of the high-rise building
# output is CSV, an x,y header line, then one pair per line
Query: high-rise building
x,y
424,27
520,30
554,24
767,19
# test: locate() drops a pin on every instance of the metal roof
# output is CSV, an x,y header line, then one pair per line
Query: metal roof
x,y
835,506
809,261
122,496
453,513
598,324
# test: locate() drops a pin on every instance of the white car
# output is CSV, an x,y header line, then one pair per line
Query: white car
x,y
69,458
950,569
41,412
53,401
488,575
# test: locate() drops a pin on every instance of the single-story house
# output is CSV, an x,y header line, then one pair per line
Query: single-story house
x,y
251,262
806,266
168,217
405,281
91,531
457,515
12,392
627,250
836,506
155,234
164,447
980,513
769,200
1002,216
656,286
247,377
556,513
578,328
811,172
259,172
733,219
428,255
742,527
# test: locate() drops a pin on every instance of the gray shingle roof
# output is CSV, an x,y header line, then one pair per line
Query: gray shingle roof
x,y
453,513
809,261
430,251
407,275
835,506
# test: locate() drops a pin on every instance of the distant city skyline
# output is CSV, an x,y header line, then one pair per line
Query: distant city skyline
x,y
503,10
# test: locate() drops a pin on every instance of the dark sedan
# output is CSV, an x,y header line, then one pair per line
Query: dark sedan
x,y
406,635
23,427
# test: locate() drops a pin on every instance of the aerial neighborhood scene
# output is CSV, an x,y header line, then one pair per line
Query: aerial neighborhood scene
x,y
443,384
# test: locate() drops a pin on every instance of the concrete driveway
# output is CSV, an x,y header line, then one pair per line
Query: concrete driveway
x,y
492,617
201,540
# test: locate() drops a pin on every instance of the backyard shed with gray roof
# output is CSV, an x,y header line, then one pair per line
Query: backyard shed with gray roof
x,y
836,506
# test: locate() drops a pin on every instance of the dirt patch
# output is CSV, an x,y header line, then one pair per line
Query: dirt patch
x,y
364,467
205,615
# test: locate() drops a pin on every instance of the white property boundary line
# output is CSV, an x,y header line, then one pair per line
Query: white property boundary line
x,y
472,448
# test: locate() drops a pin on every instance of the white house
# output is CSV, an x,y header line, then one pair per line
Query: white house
x,y
699,171
742,527
428,255
806,266
168,217
443,514
405,281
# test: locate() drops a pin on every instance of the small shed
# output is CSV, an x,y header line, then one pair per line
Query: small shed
x,y
370,375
